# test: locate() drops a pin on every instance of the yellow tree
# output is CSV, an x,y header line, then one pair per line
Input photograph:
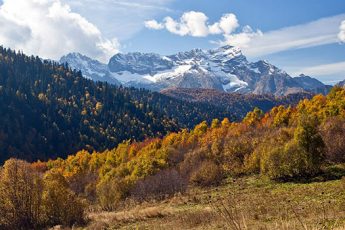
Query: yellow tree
x,y
61,206
20,196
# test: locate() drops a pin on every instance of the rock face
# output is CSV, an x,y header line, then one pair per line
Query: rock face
x,y
90,68
224,69
311,84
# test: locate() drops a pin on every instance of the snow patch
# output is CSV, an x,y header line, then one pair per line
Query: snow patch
x,y
234,83
174,73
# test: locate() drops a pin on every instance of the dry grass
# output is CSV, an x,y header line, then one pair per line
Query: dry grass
x,y
118,219
247,203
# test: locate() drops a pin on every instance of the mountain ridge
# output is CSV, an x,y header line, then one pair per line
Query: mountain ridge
x,y
224,69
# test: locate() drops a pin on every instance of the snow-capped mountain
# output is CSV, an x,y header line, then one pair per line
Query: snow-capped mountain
x,y
193,69
90,68
224,69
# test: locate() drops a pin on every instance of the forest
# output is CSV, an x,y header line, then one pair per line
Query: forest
x,y
49,110
300,144
236,103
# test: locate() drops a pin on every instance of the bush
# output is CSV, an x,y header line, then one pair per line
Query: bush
x,y
284,162
235,152
191,162
164,183
110,193
29,202
61,205
20,196
333,134
266,145
207,174
288,153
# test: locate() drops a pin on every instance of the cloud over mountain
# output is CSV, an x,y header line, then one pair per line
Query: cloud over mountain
x,y
196,24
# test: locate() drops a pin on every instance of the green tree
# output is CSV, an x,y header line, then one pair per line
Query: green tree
x,y
308,137
254,117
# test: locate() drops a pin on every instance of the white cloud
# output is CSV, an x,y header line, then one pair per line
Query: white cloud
x,y
320,32
191,23
242,39
152,24
174,27
196,24
323,70
341,34
50,28
256,43
228,23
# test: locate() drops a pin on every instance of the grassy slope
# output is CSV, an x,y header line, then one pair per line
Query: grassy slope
x,y
245,203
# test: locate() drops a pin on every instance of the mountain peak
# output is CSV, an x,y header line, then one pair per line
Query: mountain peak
x,y
224,68
227,50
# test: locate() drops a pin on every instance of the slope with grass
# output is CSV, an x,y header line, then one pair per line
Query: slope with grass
x,y
242,203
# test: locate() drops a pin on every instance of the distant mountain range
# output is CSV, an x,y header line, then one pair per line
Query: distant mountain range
x,y
224,69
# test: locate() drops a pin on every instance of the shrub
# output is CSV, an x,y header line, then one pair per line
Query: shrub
x,y
235,151
20,196
164,183
207,174
191,162
61,205
283,162
110,192
289,155
267,143
333,134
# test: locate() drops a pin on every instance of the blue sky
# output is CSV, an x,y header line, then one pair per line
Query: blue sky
x,y
297,36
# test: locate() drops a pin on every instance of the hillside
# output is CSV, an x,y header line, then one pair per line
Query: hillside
x,y
285,144
49,110
225,172
243,203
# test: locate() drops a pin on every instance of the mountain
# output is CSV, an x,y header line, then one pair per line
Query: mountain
x,y
237,104
91,69
48,110
224,69
312,85
341,84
